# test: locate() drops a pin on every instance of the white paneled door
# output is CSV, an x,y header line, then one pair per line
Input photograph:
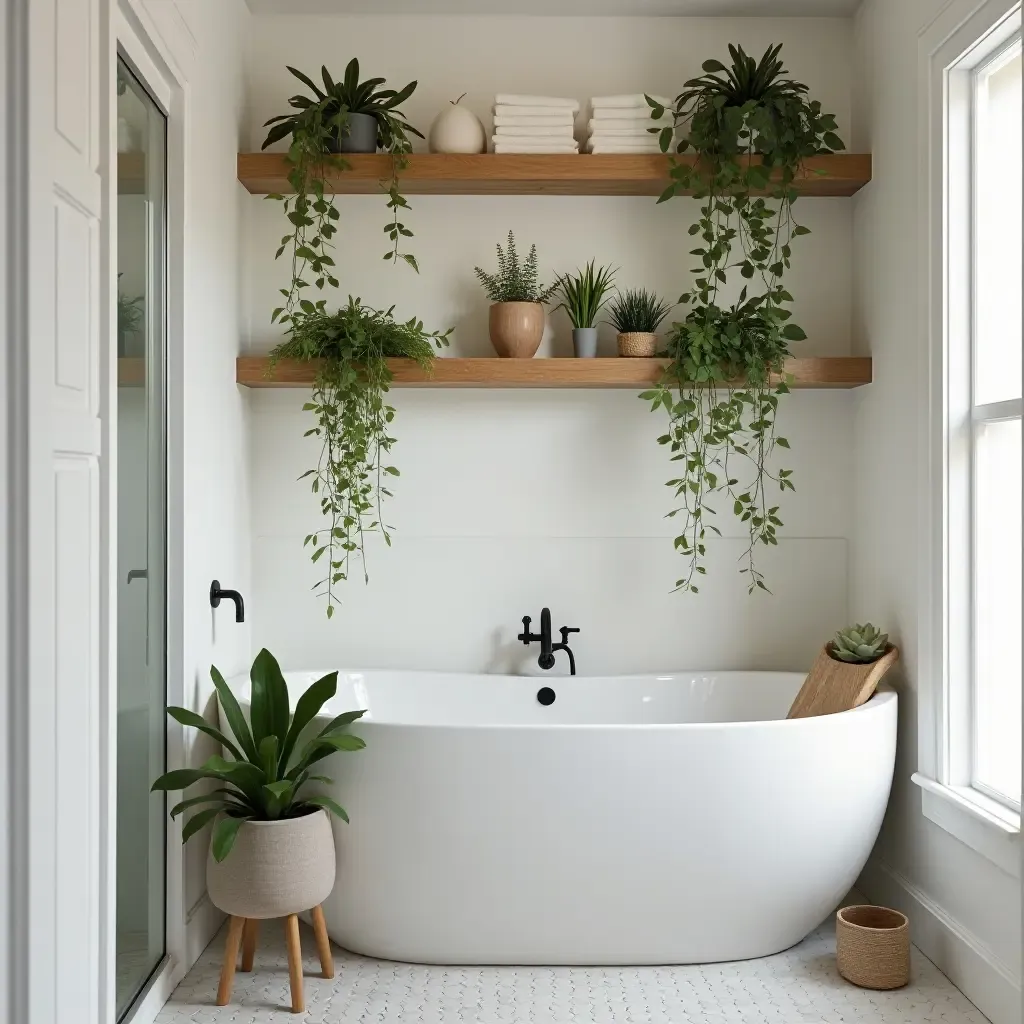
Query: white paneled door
x,y
59,354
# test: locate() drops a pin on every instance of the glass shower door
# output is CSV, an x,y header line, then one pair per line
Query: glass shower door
x,y
141,533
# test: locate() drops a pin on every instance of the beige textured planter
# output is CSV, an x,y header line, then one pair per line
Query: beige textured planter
x,y
873,947
275,868
637,344
516,328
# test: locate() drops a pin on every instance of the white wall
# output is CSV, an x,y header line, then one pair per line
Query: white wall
x,y
213,437
512,500
966,910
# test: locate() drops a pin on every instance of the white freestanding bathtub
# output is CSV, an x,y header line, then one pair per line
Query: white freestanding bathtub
x,y
636,820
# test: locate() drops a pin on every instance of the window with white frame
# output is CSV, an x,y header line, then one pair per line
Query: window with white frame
x,y
984,456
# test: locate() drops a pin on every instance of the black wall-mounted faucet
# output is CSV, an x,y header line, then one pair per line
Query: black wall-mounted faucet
x,y
547,648
216,593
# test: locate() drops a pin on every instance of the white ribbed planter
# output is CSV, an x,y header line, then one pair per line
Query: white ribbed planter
x,y
275,868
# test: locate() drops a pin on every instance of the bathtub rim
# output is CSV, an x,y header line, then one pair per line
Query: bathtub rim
x,y
876,705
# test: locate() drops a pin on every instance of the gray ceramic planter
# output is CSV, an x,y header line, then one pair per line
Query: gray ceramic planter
x,y
584,342
275,868
361,137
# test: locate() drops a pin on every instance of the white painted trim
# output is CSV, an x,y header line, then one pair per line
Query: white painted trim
x,y
203,922
985,825
974,968
943,755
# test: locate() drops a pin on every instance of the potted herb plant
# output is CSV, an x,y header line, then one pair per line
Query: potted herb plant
x,y
750,127
343,117
351,348
275,831
516,317
583,295
636,315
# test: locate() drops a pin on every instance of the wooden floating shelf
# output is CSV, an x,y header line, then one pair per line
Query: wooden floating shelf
x,y
131,174
131,372
830,372
584,174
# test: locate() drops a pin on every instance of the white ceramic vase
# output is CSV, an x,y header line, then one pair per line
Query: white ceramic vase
x,y
275,868
457,130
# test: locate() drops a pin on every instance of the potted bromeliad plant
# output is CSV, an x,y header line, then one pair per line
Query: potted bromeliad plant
x,y
750,128
272,847
636,314
348,116
352,422
516,317
583,296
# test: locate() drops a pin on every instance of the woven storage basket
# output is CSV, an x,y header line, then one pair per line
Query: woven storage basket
x,y
873,947
637,344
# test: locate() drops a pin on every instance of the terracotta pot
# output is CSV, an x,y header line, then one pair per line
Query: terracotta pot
x,y
516,328
275,868
637,344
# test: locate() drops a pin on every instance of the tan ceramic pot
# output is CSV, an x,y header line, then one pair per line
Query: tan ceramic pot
x,y
637,344
275,868
516,328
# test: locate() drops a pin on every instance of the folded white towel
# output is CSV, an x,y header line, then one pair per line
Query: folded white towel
x,y
557,121
514,130
612,146
636,99
622,133
533,146
508,111
516,100
627,118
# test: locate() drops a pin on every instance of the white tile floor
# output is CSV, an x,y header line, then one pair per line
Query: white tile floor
x,y
800,985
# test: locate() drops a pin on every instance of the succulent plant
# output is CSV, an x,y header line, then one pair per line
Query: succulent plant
x,y
859,644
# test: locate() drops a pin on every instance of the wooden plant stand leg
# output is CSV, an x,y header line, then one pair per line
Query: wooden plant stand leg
x,y
251,930
291,930
323,943
227,971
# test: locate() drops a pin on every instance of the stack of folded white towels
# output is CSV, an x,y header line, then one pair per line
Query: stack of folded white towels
x,y
534,124
619,124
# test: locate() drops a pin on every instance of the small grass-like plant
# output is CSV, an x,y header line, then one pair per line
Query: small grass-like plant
x,y
515,281
585,293
637,310
263,778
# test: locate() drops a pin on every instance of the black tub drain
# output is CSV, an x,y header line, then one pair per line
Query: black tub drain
x,y
545,696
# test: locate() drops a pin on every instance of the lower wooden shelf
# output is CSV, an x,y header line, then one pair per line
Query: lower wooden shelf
x,y
825,372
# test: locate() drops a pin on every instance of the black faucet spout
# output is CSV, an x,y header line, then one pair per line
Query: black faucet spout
x,y
217,593
547,648
547,657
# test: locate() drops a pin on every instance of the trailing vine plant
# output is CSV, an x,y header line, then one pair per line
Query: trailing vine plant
x,y
750,129
317,126
352,422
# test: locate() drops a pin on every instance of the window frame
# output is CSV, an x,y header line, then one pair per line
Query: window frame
x,y
952,52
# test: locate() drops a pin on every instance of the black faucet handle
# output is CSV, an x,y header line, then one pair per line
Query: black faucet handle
x,y
566,630
525,635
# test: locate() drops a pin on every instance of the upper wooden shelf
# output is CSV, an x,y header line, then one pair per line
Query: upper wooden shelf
x,y
831,372
838,174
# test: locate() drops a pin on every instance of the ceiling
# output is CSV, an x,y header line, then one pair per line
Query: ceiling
x,y
643,8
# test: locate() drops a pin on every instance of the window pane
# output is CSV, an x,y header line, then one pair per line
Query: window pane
x,y
997,653
998,232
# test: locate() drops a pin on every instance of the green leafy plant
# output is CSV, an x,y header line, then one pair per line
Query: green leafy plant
x,y
859,645
266,770
315,127
750,129
585,293
352,422
637,310
129,313
515,281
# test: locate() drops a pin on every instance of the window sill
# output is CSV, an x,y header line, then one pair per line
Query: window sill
x,y
982,824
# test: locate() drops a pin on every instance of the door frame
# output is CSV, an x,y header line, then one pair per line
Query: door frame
x,y
162,64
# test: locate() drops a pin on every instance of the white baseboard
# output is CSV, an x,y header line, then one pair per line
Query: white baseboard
x,y
981,975
202,923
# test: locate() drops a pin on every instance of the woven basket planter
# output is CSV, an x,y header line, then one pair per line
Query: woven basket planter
x,y
637,344
873,947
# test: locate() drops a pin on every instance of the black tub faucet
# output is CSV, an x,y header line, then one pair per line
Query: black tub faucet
x,y
547,648
217,593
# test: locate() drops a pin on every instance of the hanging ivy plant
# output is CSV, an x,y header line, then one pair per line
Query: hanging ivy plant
x,y
750,128
317,125
353,422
